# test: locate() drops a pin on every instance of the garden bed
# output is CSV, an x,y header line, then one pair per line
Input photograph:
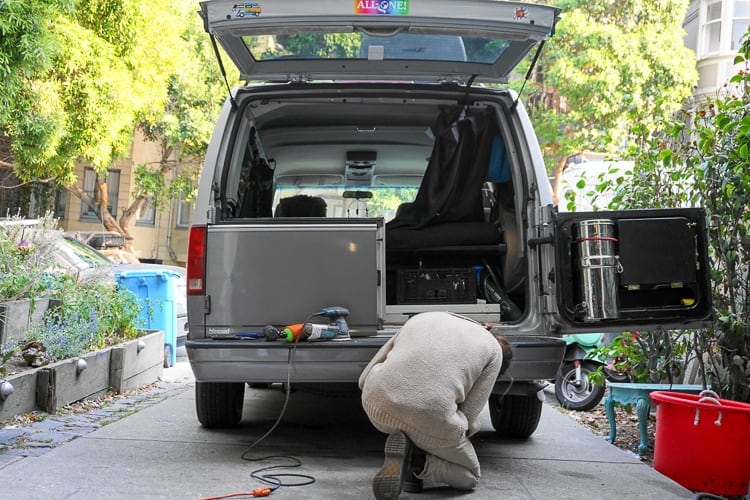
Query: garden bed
x,y
121,367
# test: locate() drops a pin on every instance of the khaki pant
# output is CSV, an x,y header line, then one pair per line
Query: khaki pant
x,y
457,466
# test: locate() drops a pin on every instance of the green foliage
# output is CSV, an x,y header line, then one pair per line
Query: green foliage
x,y
27,45
387,200
91,317
701,157
79,76
647,356
151,181
610,65
317,44
26,266
5,354
195,92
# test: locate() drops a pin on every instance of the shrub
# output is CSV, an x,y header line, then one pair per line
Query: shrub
x,y
93,313
91,317
27,269
646,356
703,157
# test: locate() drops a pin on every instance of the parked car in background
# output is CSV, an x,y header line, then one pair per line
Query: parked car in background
x,y
110,244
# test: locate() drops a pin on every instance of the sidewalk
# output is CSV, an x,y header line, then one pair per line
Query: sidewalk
x,y
162,452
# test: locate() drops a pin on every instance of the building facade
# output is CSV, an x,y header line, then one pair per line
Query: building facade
x,y
159,235
713,30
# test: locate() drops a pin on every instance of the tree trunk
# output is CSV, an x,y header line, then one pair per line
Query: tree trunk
x,y
109,222
129,213
556,179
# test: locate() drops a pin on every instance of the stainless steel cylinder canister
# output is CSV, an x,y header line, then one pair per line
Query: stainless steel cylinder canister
x,y
599,266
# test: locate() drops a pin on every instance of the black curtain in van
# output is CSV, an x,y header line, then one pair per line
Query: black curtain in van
x,y
451,190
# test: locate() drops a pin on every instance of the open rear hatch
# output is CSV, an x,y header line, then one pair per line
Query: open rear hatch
x,y
403,40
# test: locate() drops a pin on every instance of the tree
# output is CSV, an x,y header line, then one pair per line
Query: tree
x,y
83,74
28,46
183,127
610,65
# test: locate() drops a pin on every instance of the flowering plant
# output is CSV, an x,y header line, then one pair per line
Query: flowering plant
x,y
92,313
26,263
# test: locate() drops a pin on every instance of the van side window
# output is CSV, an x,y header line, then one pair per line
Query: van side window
x,y
254,195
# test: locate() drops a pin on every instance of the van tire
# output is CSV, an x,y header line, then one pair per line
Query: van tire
x,y
219,404
515,416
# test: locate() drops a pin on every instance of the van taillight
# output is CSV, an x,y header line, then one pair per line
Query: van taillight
x,y
196,261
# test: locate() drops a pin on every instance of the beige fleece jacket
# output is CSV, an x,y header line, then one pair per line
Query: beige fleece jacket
x,y
432,379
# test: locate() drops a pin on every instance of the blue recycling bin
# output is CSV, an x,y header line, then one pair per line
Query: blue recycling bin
x,y
155,290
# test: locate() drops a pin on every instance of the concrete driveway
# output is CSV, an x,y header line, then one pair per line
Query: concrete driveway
x,y
162,452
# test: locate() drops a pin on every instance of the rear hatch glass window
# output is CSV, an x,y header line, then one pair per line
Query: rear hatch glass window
x,y
353,46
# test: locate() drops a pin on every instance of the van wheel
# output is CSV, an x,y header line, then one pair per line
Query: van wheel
x,y
515,416
219,404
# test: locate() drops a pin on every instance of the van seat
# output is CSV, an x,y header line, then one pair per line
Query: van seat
x,y
456,236
301,205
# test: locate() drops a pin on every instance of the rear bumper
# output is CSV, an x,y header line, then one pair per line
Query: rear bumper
x,y
258,361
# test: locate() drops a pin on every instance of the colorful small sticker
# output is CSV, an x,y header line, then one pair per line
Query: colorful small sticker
x,y
382,7
245,9
521,13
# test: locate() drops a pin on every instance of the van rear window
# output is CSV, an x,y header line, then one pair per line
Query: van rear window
x,y
351,46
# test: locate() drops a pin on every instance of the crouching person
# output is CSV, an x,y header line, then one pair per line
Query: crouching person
x,y
425,388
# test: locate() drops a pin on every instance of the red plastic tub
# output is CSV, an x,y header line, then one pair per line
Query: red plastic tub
x,y
703,442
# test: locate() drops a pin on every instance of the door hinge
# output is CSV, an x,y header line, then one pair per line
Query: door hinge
x,y
207,304
548,304
544,216
544,235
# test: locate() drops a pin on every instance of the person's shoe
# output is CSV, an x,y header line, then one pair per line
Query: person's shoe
x,y
412,484
389,481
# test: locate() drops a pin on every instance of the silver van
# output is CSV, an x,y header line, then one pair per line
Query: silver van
x,y
374,161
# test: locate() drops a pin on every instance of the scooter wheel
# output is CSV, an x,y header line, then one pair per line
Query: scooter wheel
x,y
580,396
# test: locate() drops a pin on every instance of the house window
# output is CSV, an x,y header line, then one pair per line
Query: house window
x,y
61,201
89,186
184,213
690,25
740,22
712,28
146,216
